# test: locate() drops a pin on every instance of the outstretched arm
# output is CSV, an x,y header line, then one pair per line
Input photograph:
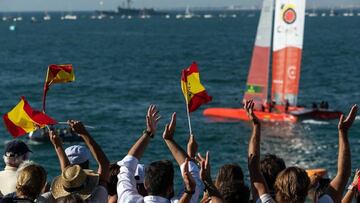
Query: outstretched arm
x,y
352,188
95,150
258,183
178,153
56,141
126,186
337,185
152,119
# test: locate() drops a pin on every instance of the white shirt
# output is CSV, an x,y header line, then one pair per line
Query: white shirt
x,y
8,179
126,186
266,198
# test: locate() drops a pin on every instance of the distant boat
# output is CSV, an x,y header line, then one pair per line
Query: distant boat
x,y
19,18
332,13
288,23
348,14
65,133
188,13
33,19
167,16
208,16
47,17
128,11
69,17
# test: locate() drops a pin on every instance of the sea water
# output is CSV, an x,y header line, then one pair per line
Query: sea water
x,y
122,66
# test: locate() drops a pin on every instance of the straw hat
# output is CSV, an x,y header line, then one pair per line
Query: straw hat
x,y
74,179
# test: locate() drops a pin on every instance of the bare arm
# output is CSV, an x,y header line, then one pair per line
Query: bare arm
x,y
152,119
178,153
352,189
56,141
258,183
337,185
192,146
95,150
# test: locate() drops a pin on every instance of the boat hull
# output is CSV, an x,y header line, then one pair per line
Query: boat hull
x,y
294,115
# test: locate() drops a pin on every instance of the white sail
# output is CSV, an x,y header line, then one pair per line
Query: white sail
x,y
287,49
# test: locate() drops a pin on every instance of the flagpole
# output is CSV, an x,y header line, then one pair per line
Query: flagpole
x,y
188,116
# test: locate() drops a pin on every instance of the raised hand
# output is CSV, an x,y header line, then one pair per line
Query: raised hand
x,y
249,108
55,139
192,146
78,127
169,130
189,181
152,119
345,123
205,170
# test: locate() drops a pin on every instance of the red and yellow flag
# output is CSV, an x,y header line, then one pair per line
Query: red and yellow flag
x,y
23,119
59,74
194,92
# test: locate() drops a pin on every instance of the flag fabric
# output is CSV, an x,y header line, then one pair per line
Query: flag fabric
x,y
194,92
59,74
23,119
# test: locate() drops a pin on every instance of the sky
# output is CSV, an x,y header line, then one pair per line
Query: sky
x,y
63,5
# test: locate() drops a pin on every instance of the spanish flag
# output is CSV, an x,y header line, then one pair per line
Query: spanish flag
x,y
194,92
59,74
23,119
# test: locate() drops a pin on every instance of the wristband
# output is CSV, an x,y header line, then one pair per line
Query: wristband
x,y
148,133
352,187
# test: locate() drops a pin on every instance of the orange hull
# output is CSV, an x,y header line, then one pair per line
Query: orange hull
x,y
240,114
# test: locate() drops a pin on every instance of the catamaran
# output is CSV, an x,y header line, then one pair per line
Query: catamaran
x,y
285,19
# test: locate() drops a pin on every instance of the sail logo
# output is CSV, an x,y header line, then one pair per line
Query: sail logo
x,y
288,13
291,72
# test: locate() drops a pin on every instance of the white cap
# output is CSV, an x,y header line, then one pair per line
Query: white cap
x,y
77,154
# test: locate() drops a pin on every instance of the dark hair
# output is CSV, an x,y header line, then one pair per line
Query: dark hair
x,y
159,176
270,167
71,198
292,185
234,192
230,183
114,171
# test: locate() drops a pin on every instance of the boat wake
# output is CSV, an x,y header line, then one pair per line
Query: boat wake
x,y
315,122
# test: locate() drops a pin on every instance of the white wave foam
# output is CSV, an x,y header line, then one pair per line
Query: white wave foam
x,y
315,122
357,118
